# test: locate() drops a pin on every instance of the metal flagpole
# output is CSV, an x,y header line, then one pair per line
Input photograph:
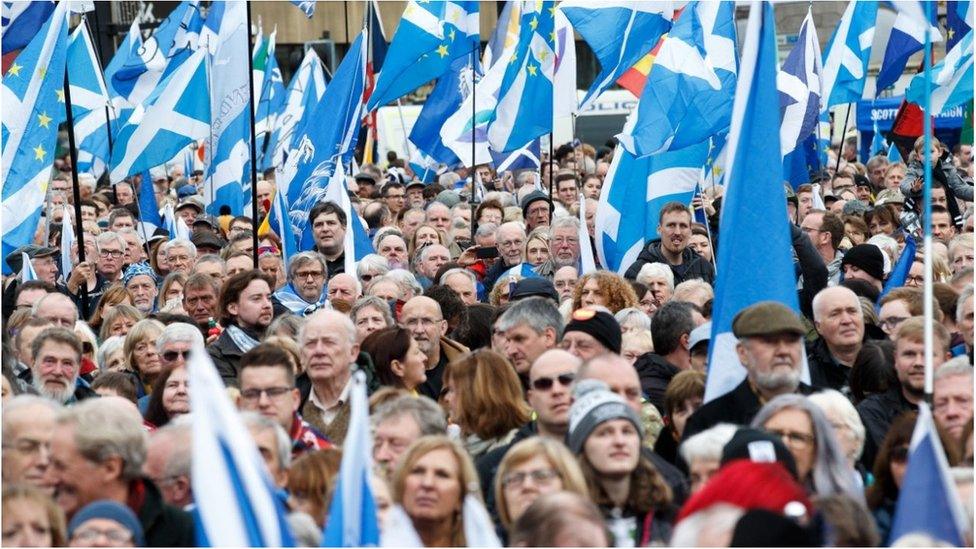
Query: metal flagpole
x,y
552,206
927,215
474,122
254,156
843,138
73,152
403,126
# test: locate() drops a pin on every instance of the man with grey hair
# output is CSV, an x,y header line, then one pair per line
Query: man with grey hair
x,y
564,243
169,454
770,347
952,396
425,320
510,240
328,351
430,259
839,321
111,251
211,265
97,452
57,309
57,363
273,445
28,426
531,326
135,251
398,423
176,342
180,254
306,290
463,282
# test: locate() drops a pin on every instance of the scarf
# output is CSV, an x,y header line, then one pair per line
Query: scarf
x,y
290,299
240,338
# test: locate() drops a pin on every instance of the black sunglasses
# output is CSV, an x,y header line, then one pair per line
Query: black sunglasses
x,y
546,383
173,356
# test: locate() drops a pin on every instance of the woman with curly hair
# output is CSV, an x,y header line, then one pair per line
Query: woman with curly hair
x,y
606,289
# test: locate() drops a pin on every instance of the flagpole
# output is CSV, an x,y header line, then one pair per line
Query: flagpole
x,y
73,152
474,122
551,205
254,155
927,217
108,104
843,138
210,144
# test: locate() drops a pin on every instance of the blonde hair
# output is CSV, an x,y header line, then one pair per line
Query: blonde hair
x,y
144,330
55,516
559,457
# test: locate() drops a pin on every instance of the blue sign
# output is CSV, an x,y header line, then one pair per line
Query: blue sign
x,y
884,110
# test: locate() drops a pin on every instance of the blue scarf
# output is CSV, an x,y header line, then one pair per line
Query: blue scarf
x,y
288,297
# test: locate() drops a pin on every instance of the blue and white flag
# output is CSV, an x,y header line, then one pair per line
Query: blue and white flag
x,y
625,223
352,518
329,142
899,271
176,114
928,502
505,34
959,21
33,106
174,224
429,37
27,273
148,207
304,92
424,167
893,154
67,240
89,97
524,107
307,6
446,102
800,89
234,496
619,33
952,79
282,226
907,37
524,158
688,96
756,250
845,64
564,104
20,21
228,176
878,144
271,101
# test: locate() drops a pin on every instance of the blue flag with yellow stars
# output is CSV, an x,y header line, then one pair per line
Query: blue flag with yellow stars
x,y
34,106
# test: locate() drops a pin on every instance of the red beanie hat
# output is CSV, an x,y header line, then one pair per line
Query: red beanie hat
x,y
749,485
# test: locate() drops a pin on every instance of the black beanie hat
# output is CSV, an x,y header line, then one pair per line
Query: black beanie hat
x,y
601,325
866,257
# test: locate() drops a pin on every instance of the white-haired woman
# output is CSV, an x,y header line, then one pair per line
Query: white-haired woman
x,y
847,424
703,453
659,281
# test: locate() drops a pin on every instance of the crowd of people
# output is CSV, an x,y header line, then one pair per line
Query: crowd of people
x,y
567,401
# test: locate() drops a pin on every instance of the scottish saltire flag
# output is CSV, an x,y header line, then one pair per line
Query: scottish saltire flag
x,y
845,64
756,251
174,224
800,88
564,102
899,271
177,113
893,154
907,37
272,99
33,106
524,108
356,244
878,144
282,226
228,177
959,21
688,96
952,79
619,33
307,6
329,141
89,97
20,21
928,502
423,166
429,37
27,269
148,208
447,102
235,499
626,222
304,92
587,263
352,514
505,34
67,240
524,158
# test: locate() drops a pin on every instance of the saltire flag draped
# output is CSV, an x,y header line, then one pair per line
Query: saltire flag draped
x,y
428,39
625,222
756,251
899,271
228,176
235,499
688,96
20,21
845,64
952,79
352,520
800,88
33,105
304,92
524,108
907,37
176,114
564,102
67,240
928,502
959,19
89,97
878,144
619,33
270,102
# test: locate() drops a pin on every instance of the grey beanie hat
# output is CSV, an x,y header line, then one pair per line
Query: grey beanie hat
x,y
594,404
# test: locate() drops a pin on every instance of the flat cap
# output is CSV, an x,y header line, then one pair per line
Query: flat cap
x,y
15,258
193,201
767,318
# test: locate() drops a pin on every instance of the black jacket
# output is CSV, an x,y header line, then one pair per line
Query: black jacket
x,y
692,265
877,412
487,467
738,407
336,266
825,371
163,524
655,373
811,266
226,358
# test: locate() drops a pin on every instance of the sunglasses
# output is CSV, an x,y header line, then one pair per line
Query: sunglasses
x,y
173,356
546,383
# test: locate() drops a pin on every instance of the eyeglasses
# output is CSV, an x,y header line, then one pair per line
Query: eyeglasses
x,y
110,253
546,383
89,535
539,476
173,356
272,392
891,322
792,438
366,277
309,274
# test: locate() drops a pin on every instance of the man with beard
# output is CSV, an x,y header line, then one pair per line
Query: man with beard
x,y
423,317
140,281
880,409
674,229
771,349
245,312
306,283
57,361
564,244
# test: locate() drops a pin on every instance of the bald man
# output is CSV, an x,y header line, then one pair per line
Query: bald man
x,y
422,316
328,350
839,321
